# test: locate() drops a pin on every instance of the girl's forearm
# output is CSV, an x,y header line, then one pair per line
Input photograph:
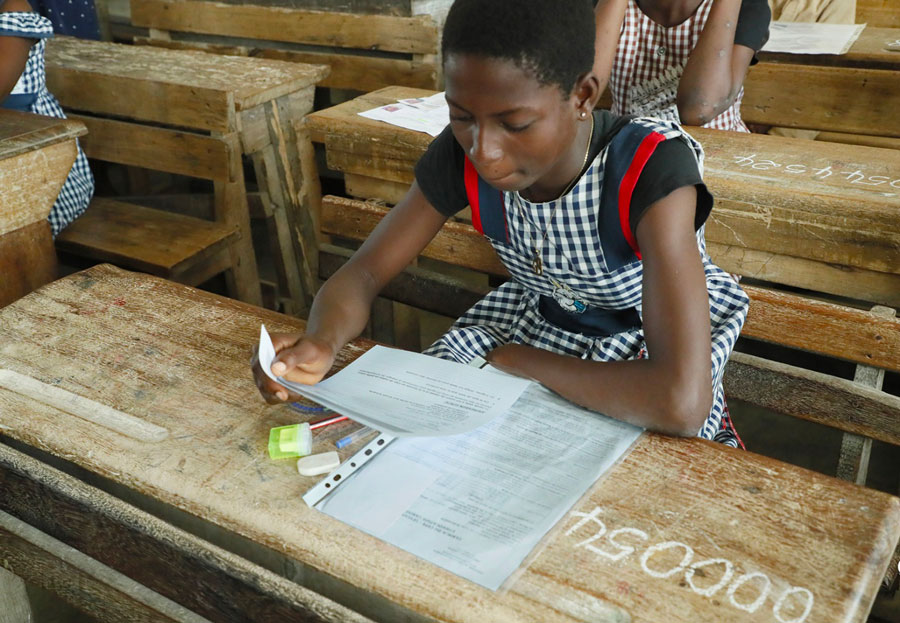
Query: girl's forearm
x,y
652,394
709,83
341,308
608,17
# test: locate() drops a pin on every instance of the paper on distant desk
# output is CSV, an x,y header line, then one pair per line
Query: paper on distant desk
x,y
476,504
811,38
422,114
403,393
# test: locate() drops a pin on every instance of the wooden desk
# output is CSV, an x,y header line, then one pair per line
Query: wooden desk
x,y
649,541
36,154
249,104
877,48
814,215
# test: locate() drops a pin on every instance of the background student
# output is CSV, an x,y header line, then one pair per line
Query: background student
x,y
613,301
683,60
23,35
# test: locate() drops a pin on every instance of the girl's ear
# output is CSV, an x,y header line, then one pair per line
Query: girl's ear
x,y
586,93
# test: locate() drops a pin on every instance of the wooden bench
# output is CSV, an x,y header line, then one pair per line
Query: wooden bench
x,y
367,45
36,154
882,13
83,535
192,114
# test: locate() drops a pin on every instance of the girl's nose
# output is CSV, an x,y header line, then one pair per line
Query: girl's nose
x,y
486,148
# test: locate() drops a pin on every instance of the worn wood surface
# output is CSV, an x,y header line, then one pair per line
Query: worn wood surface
x,y
154,241
884,13
168,353
778,317
838,99
36,154
107,557
161,149
872,49
808,214
27,260
174,87
417,34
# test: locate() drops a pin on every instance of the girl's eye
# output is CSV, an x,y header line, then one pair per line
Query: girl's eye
x,y
516,128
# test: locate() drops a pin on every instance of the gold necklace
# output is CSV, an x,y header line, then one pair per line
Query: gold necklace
x,y
537,266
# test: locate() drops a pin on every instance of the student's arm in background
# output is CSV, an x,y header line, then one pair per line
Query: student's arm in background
x,y
341,308
608,17
13,50
717,66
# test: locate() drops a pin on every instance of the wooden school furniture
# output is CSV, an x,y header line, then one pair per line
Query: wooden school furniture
x,y
876,48
367,44
680,526
36,154
800,213
192,114
884,13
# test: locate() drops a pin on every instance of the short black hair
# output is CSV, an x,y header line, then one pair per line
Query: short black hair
x,y
553,39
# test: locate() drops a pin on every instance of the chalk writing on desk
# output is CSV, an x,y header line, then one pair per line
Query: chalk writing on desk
x,y
792,606
893,44
856,176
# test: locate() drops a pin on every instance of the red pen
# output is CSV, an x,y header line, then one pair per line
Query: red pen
x,y
326,421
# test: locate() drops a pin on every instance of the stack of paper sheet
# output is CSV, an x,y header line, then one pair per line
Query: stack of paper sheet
x,y
429,114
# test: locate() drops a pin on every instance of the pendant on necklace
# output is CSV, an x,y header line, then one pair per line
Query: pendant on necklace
x,y
536,265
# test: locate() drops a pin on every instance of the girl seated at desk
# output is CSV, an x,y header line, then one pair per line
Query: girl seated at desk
x,y
613,301
23,35
684,60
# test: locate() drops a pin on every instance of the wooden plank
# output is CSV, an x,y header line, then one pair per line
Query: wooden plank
x,y
153,241
27,260
207,579
859,139
826,328
882,13
814,396
22,132
173,151
173,87
838,99
871,50
777,317
416,34
30,183
365,187
457,243
81,581
844,281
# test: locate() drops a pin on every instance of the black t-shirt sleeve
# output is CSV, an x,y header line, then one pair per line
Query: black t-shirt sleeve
x,y
753,25
671,166
439,173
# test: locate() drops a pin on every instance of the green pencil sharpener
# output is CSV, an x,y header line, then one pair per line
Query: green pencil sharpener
x,y
290,441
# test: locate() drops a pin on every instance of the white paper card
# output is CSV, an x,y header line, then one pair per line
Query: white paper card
x,y
811,38
406,394
429,114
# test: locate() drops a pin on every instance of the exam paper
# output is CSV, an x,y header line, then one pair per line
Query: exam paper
x,y
811,38
422,114
403,393
476,504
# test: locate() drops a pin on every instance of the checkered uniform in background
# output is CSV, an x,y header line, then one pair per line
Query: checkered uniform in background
x,y
648,65
30,94
573,255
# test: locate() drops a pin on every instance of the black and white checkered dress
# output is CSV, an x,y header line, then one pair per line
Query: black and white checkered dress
x,y
30,94
576,263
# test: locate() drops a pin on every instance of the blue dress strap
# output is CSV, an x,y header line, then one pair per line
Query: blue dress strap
x,y
488,207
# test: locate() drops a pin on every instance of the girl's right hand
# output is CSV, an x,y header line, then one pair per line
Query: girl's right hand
x,y
299,359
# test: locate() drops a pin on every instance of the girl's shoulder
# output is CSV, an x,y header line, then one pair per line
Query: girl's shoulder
x,y
15,6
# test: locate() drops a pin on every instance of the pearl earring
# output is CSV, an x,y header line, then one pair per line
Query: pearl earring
x,y
583,114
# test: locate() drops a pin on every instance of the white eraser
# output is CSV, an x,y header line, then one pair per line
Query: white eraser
x,y
316,464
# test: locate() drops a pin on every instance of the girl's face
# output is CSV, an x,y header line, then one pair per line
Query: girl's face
x,y
516,131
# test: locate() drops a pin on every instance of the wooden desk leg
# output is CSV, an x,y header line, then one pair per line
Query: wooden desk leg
x,y
14,604
27,261
853,464
231,208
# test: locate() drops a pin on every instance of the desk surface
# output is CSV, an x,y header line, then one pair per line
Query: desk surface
x,y
21,132
681,529
878,48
